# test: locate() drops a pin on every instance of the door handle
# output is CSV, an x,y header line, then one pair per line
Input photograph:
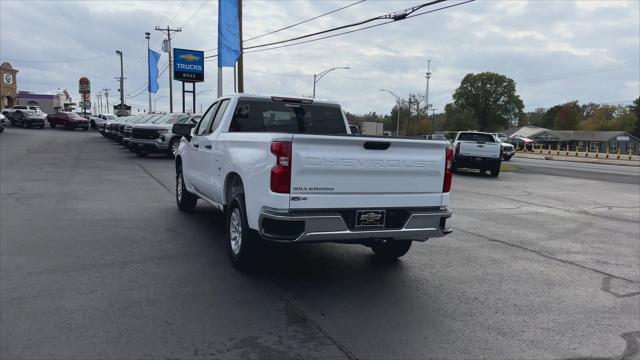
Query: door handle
x,y
208,146
196,145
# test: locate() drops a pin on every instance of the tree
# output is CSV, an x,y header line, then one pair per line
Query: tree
x,y
567,117
457,120
491,98
635,110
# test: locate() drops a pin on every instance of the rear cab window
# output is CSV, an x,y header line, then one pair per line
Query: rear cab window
x,y
266,115
476,137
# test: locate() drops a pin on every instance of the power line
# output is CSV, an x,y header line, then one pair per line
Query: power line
x,y
305,21
579,73
58,61
396,16
194,13
211,57
359,29
276,74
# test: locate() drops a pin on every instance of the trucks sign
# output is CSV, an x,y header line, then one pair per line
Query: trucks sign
x,y
188,65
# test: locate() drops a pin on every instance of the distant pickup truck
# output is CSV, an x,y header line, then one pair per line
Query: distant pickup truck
x,y
477,150
288,170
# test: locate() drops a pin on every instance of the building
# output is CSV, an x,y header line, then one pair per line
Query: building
x,y
580,140
47,102
8,85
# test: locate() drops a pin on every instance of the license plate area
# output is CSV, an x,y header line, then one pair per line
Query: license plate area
x,y
370,219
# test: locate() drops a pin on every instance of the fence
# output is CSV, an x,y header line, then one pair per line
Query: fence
x,y
566,152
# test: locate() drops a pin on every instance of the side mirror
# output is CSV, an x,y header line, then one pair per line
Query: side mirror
x,y
182,129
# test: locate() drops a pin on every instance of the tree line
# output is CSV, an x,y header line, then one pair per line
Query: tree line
x,y
489,102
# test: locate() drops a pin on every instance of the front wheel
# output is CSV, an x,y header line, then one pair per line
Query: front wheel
x,y
25,125
186,201
242,242
173,148
391,249
52,124
42,126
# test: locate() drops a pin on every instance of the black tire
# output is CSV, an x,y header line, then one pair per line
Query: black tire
x,y
52,124
93,124
25,124
392,249
507,158
42,126
243,250
173,148
85,128
186,201
495,171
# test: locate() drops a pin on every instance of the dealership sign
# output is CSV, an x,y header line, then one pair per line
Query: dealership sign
x,y
84,86
188,65
622,138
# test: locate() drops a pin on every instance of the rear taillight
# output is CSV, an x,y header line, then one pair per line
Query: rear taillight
x,y
448,172
281,173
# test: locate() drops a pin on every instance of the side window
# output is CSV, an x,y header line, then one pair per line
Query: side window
x,y
203,125
219,114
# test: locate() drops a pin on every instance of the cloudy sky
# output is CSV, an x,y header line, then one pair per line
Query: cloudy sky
x,y
555,50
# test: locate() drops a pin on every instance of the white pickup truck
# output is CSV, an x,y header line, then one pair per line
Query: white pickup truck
x,y
288,170
477,150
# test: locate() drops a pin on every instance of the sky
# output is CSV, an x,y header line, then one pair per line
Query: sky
x,y
556,51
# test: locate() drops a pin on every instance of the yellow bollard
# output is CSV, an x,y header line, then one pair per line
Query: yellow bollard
x,y
586,152
618,156
597,151
630,154
607,153
517,147
558,149
567,153
549,150
541,148
576,150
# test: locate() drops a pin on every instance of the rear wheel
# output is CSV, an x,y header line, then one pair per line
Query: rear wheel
x,y
186,201
495,171
42,126
141,153
25,124
52,124
391,249
242,242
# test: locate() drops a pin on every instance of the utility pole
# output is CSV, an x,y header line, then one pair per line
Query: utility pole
x,y
147,35
99,96
121,82
426,93
240,61
167,49
106,96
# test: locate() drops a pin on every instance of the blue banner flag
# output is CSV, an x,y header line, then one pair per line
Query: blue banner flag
x,y
228,33
153,71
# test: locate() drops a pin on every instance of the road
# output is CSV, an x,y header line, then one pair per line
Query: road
x,y
606,172
97,262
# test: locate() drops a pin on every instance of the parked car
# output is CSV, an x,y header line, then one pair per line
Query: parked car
x,y
521,142
141,119
100,119
282,170
477,150
157,136
69,120
3,122
27,119
508,151
502,137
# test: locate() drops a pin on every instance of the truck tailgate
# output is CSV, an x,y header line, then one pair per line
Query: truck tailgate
x,y
480,149
365,172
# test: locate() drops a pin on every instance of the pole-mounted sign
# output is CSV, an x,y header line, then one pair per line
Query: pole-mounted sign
x,y
84,86
188,65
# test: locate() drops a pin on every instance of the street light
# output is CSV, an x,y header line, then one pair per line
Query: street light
x,y
147,35
398,108
317,77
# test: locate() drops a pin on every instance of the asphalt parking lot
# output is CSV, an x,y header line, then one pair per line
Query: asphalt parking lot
x,y
97,262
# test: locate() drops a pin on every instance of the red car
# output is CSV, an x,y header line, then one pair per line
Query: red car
x,y
69,120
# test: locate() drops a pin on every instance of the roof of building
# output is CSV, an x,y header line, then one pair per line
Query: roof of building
x,y
532,132
527,131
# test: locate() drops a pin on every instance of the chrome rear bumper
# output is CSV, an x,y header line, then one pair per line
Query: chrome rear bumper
x,y
328,226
